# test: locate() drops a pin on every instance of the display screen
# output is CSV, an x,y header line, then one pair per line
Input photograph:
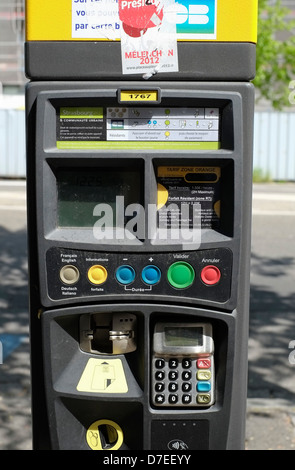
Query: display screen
x,y
81,190
183,336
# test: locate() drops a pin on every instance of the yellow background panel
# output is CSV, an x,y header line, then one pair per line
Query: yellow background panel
x,y
51,20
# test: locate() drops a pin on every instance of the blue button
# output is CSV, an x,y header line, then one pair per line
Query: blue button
x,y
125,274
204,387
151,274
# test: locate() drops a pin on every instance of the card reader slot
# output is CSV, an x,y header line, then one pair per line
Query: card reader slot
x,y
108,333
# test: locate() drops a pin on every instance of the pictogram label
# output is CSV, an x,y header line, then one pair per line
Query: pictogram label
x,y
103,376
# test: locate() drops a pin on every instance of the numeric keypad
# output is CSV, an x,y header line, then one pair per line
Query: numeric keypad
x,y
183,381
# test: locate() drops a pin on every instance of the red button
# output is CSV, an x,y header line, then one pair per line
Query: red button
x,y
210,275
204,363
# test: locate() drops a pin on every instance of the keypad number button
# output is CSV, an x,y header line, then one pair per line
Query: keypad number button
x,y
173,375
159,363
173,387
159,375
173,399
159,387
186,387
186,363
173,363
186,375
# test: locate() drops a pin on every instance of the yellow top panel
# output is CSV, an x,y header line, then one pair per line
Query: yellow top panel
x,y
197,20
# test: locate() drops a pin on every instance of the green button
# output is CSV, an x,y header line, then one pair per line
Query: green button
x,y
181,275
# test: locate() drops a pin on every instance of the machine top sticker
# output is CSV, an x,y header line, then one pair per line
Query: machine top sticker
x,y
111,19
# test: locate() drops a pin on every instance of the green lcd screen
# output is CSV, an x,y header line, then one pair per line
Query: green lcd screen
x,y
80,190
183,336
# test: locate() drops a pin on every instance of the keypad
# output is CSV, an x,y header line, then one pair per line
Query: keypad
x,y
183,381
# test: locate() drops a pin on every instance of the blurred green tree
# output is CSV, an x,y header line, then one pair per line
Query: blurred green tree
x,y
275,63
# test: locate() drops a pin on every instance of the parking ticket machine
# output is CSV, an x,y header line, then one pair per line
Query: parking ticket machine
x,y
139,197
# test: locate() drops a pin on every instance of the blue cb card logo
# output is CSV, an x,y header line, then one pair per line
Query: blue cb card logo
x,y
196,18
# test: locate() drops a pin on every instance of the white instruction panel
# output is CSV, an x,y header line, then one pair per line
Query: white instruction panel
x,y
163,124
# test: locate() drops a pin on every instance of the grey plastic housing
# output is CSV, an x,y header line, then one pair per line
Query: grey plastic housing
x,y
57,358
90,60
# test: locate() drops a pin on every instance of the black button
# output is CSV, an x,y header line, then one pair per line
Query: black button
x,y
173,363
173,387
159,387
159,399
186,399
186,375
173,375
186,387
160,363
159,375
173,399
186,363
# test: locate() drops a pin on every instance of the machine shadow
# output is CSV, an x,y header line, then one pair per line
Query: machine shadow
x,y
15,410
272,328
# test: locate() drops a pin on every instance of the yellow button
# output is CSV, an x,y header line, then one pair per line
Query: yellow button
x,y
203,398
97,274
204,374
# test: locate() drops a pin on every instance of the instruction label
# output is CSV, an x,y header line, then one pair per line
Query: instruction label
x,y
95,19
98,127
103,376
80,124
163,124
189,185
99,19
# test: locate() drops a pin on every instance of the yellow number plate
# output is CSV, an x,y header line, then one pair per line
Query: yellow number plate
x,y
138,95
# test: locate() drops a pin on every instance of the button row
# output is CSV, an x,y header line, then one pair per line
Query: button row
x,y
201,363
186,399
185,387
186,375
180,275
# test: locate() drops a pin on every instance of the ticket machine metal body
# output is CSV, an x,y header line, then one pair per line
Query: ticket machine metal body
x,y
139,337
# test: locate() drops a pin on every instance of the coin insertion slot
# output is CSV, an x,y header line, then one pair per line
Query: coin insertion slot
x,y
104,434
108,436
